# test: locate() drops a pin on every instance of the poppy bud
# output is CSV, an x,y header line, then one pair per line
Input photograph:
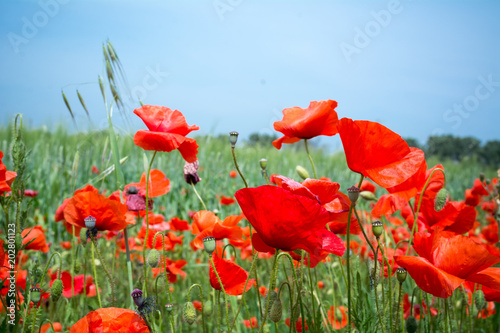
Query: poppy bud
x,y
276,311
295,311
36,293
169,307
189,313
441,198
209,244
377,228
137,296
338,314
401,274
302,172
273,296
481,177
479,300
233,138
368,196
191,172
263,163
132,190
77,266
90,222
353,193
56,289
153,258
411,325
83,236
207,308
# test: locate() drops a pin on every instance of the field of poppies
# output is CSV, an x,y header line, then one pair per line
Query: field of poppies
x,y
162,231
115,233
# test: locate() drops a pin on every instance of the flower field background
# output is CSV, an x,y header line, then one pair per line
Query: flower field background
x,y
112,232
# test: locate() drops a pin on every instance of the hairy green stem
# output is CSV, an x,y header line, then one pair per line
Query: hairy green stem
x,y
106,270
310,159
202,306
225,294
145,289
95,276
237,167
199,197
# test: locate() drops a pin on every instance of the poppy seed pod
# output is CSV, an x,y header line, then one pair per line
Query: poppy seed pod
x,y
36,293
90,222
189,313
137,296
191,172
153,258
368,196
276,311
132,190
441,198
233,138
411,325
209,244
401,274
302,172
56,289
377,228
353,193
263,163
169,307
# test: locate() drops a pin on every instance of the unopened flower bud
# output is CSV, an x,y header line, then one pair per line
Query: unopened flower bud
x,y
137,296
169,307
153,258
189,313
36,293
263,164
56,289
302,172
233,138
209,244
90,222
191,172
276,311
411,325
441,198
401,274
353,193
273,296
207,308
368,196
377,228
479,300
481,177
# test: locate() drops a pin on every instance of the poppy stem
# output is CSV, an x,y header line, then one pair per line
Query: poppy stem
x,y
237,167
198,195
310,159
202,308
145,289
165,266
225,294
129,267
106,270
271,287
95,276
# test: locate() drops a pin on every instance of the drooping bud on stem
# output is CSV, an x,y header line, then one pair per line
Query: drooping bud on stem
x,y
353,193
56,289
276,311
233,138
411,325
377,228
479,300
441,198
189,313
137,296
209,244
153,258
481,177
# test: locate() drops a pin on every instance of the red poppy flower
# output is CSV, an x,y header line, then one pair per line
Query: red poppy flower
x,y
176,224
337,317
232,276
378,153
214,227
81,284
320,118
108,212
288,220
159,184
37,234
30,193
95,170
479,188
226,201
233,174
174,269
298,324
388,204
45,327
6,177
111,320
252,323
438,272
167,132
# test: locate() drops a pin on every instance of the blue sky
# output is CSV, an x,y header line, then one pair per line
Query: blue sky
x,y
418,67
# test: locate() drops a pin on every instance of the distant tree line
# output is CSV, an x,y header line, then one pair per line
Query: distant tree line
x,y
456,148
